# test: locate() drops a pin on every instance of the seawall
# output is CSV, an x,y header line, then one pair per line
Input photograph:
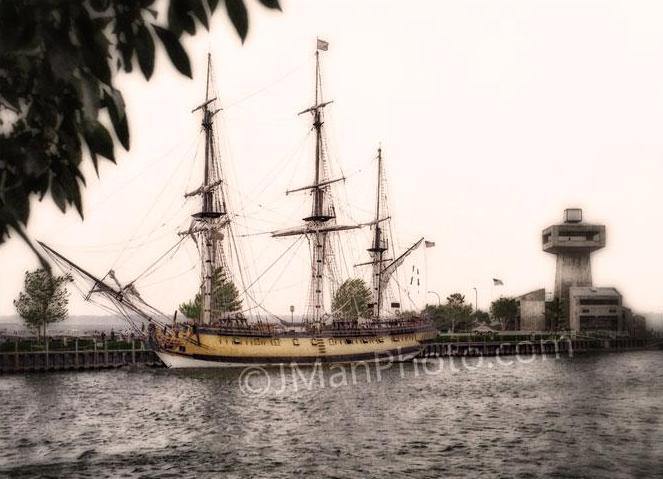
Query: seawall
x,y
565,346
100,356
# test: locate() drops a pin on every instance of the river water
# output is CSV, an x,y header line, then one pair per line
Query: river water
x,y
594,415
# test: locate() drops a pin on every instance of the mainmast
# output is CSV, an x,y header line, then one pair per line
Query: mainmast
x,y
321,222
319,216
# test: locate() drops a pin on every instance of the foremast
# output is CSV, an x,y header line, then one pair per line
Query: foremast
x,y
208,224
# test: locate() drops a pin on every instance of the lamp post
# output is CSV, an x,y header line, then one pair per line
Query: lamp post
x,y
439,303
476,303
436,294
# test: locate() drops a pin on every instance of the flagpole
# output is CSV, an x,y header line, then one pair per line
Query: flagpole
x,y
476,303
425,269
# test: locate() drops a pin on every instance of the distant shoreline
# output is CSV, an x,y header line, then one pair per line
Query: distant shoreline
x,y
71,326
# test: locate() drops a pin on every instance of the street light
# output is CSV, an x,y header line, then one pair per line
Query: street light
x,y
436,294
439,303
476,303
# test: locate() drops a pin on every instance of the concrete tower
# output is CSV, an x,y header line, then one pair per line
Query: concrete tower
x,y
572,242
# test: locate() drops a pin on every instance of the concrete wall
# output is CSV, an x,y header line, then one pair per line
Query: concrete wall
x,y
573,269
532,315
533,311
573,243
590,317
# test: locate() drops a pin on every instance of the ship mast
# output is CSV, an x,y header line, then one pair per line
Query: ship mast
x,y
378,246
321,221
383,268
319,217
211,217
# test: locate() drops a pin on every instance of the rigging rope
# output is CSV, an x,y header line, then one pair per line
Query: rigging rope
x,y
263,89
274,262
158,260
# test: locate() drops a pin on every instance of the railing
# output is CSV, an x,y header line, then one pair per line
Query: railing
x,y
323,332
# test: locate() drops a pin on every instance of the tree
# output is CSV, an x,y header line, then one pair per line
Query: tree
x,y
58,60
352,300
225,297
506,311
556,315
43,300
456,299
453,316
482,317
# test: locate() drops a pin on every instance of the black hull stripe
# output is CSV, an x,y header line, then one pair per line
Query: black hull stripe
x,y
300,359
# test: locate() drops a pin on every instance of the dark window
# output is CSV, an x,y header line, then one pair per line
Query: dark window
x,y
599,302
580,235
588,322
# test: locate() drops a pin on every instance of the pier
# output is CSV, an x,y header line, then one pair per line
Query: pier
x,y
21,355
566,346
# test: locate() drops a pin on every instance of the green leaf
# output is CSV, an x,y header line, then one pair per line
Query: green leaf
x,y
174,49
197,9
67,179
99,141
78,203
59,195
145,51
16,202
115,105
35,162
238,17
95,162
95,50
99,5
179,19
271,4
11,97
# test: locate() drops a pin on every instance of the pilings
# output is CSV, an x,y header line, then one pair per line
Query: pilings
x,y
18,361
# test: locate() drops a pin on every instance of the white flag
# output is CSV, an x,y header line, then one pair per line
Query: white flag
x,y
323,45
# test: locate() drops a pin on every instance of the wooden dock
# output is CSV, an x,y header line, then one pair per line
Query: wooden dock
x,y
560,346
19,361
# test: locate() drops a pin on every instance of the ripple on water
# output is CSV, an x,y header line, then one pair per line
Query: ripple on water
x,y
590,416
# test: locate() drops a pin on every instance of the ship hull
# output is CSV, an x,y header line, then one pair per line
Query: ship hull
x,y
222,351
181,361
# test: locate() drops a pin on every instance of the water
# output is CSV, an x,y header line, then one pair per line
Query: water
x,y
588,416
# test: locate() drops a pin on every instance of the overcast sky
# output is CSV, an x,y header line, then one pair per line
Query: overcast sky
x,y
493,115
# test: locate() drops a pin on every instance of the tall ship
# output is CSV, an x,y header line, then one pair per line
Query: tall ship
x,y
216,333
